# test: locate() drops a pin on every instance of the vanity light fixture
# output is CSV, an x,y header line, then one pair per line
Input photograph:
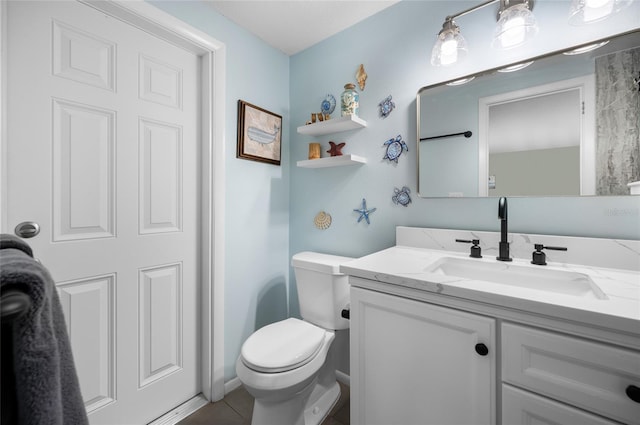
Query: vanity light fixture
x,y
585,49
516,25
516,67
589,11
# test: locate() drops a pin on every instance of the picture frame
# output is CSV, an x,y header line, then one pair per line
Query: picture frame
x,y
259,134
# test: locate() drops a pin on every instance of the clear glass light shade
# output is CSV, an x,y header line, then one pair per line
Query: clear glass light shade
x,y
516,26
589,11
450,46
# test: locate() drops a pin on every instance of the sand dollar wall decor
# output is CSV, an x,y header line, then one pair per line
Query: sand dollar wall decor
x,y
322,220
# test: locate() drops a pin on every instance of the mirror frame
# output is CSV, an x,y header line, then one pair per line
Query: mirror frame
x,y
487,72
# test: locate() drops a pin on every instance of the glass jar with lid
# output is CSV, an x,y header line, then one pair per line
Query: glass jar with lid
x,y
349,100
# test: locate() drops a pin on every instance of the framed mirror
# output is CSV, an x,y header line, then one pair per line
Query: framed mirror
x,y
563,124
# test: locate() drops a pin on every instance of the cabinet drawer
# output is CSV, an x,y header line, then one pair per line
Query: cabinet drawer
x,y
583,373
524,408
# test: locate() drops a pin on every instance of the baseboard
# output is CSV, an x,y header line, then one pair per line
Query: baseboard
x,y
343,377
179,413
232,385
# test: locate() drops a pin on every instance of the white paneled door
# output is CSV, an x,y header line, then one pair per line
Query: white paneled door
x,y
102,153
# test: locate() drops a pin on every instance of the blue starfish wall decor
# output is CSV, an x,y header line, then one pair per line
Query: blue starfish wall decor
x,y
364,212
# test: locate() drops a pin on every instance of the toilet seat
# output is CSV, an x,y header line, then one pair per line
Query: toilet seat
x,y
282,346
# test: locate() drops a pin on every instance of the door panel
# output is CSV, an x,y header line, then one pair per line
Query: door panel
x,y
103,148
83,166
92,302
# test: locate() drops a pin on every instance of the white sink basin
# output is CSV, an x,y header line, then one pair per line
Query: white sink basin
x,y
535,277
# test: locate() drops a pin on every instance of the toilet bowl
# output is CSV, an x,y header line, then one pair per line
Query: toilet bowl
x,y
288,366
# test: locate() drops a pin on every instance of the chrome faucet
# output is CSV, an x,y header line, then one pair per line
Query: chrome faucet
x,y
503,247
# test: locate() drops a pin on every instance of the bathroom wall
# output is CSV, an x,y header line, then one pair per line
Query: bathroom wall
x,y
257,194
270,209
394,46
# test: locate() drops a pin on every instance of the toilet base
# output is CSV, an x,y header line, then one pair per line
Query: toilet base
x,y
309,407
316,412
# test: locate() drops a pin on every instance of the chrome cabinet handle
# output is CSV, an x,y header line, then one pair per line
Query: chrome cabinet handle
x,y
27,229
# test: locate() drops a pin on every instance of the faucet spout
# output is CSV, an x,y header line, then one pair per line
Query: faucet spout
x,y
503,246
502,208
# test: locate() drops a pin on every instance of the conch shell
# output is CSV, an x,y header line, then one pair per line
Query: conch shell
x,y
322,220
361,77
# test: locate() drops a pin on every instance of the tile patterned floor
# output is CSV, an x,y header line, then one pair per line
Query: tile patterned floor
x,y
237,406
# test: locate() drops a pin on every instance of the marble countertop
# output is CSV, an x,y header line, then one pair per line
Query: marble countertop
x,y
407,266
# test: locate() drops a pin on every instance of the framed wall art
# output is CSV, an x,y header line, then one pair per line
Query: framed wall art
x,y
259,134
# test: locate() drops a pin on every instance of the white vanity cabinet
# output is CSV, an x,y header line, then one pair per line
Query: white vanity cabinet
x,y
420,361
563,339
414,363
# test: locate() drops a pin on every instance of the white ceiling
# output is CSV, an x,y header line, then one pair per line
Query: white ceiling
x,y
294,25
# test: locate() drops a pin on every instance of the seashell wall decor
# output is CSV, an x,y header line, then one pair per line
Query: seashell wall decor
x,y
322,220
361,77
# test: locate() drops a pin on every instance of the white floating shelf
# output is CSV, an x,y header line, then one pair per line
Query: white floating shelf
x,y
333,125
332,161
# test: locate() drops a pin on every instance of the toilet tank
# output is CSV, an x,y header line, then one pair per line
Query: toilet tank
x,y
322,290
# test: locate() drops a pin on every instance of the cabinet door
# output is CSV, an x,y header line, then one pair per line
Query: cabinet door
x,y
416,363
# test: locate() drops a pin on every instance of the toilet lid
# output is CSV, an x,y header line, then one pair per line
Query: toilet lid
x,y
282,346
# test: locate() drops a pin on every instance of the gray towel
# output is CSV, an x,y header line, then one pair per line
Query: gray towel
x,y
46,381
10,241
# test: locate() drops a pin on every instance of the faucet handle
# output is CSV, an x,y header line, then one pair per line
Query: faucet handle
x,y
540,258
476,251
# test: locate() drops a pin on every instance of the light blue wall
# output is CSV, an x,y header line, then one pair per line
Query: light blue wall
x,y
270,210
394,46
257,194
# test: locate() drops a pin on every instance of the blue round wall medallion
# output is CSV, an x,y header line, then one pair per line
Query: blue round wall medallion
x,y
328,105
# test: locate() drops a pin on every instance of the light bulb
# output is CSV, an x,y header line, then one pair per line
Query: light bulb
x,y
597,9
590,11
450,45
516,25
449,52
513,33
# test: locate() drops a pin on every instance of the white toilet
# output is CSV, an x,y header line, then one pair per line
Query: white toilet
x,y
287,366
